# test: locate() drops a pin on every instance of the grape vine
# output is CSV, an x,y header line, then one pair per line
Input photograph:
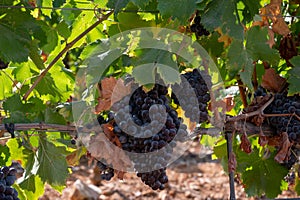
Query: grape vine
x,y
50,48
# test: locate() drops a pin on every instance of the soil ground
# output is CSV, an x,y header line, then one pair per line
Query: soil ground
x,y
194,176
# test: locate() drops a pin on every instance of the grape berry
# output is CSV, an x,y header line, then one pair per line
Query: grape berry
x,y
198,28
7,179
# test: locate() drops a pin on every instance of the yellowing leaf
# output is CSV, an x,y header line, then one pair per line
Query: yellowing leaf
x,y
224,38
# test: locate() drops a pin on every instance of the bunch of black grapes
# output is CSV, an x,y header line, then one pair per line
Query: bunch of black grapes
x,y
106,172
194,106
7,179
286,107
283,104
198,28
145,123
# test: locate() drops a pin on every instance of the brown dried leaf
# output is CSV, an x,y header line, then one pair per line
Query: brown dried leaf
x,y
232,162
272,81
229,101
111,91
100,147
284,149
262,140
107,87
103,104
273,11
271,40
281,27
121,90
245,144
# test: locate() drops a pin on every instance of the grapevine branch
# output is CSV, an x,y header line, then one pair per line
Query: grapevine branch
x,y
63,51
41,127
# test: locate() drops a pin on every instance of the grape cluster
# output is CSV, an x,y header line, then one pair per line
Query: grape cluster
x,y
7,179
106,172
283,104
198,28
260,92
152,125
3,65
195,107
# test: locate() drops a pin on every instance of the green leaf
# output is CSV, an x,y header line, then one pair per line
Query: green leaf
x,y
260,175
63,29
4,155
5,86
212,45
181,9
220,151
52,40
117,5
32,186
35,56
250,10
12,46
221,13
50,162
257,47
139,74
22,71
141,3
240,62
294,76
47,3
47,87
53,117
21,152
168,74
14,103
125,23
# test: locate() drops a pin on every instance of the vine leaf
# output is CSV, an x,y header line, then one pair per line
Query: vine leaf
x,y
272,81
260,175
256,48
141,3
32,186
294,76
181,10
117,5
4,156
51,162
220,13
11,39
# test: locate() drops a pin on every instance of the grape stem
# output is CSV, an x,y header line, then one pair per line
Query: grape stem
x,y
63,51
259,112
